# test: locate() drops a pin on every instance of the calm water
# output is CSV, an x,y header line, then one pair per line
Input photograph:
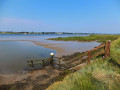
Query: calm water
x,y
14,54
33,36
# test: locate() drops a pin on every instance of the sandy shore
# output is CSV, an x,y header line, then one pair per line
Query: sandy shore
x,y
60,50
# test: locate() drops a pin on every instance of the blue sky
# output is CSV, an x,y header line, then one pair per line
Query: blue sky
x,y
86,16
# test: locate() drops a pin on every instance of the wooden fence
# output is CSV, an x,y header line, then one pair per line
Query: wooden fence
x,y
42,63
87,56
105,51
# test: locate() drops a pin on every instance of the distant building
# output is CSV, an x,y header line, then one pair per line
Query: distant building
x,y
59,33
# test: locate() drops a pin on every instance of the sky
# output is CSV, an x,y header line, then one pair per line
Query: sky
x,y
78,16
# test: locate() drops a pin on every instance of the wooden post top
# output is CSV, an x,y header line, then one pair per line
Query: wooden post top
x,y
109,40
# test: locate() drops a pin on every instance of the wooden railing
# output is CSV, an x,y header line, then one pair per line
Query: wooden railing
x,y
87,56
42,62
105,51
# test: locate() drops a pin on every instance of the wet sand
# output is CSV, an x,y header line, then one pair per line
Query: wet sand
x,y
35,80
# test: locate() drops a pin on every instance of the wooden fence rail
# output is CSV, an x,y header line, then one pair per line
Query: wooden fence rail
x,y
106,51
41,62
102,49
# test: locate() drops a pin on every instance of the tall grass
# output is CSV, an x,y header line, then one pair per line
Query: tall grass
x,y
99,75
115,51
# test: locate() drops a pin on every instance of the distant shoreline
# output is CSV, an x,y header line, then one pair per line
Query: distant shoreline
x,y
42,33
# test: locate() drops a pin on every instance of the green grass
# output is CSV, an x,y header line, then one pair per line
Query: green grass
x,y
115,51
99,75
100,38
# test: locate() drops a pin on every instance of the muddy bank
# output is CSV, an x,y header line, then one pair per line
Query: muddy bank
x,y
35,80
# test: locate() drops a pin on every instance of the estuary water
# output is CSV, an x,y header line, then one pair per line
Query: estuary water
x,y
15,50
14,55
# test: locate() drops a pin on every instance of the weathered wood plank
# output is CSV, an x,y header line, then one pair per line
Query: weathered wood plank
x,y
97,48
97,54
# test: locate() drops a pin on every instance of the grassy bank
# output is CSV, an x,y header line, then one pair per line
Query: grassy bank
x,y
115,52
99,75
100,38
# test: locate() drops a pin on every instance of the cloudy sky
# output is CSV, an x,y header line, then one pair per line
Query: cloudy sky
x,y
86,16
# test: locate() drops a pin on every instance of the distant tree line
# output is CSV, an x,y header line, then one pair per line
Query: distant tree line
x,y
11,32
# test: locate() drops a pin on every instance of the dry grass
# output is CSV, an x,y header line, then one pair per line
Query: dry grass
x,y
100,75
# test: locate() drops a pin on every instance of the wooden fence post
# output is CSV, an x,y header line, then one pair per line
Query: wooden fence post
x,y
109,45
88,57
43,63
32,63
107,48
52,61
59,65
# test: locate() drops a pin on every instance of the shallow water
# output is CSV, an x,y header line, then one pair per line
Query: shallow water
x,y
35,37
14,54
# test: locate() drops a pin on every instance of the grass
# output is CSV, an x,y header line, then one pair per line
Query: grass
x,y
99,75
100,38
115,52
